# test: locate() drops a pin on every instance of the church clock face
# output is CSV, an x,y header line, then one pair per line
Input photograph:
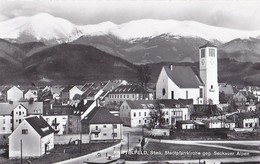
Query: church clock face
x,y
212,61
202,61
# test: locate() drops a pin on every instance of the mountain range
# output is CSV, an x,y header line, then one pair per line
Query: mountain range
x,y
43,47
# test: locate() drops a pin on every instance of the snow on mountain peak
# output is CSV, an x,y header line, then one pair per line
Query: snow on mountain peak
x,y
44,26
40,26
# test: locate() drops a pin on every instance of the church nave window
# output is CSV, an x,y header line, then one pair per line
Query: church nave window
x,y
163,91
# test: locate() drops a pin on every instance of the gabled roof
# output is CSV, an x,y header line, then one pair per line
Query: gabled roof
x,y
67,89
127,89
40,126
33,107
248,94
183,76
246,115
208,45
57,109
102,116
149,104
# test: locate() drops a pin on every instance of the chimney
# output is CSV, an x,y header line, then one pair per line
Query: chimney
x,y
97,102
171,67
85,101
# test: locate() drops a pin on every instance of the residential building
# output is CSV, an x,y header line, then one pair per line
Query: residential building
x,y
245,119
243,98
31,94
183,82
12,114
34,137
137,113
103,126
68,93
60,118
126,92
14,94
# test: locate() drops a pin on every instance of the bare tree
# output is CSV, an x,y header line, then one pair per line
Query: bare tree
x,y
156,115
144,76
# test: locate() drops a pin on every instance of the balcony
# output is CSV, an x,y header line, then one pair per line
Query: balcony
x,y
95,130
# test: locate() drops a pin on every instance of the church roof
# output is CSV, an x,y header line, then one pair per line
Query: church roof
x,y
208,45
183,76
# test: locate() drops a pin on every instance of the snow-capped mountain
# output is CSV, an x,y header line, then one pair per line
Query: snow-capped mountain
x,y
40,27
46,27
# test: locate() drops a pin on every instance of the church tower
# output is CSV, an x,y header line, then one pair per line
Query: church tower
x,y
209,73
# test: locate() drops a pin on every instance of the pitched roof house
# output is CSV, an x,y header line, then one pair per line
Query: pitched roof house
x,y
32,131
103,126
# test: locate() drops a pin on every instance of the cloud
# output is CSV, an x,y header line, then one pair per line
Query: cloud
x,y
240,14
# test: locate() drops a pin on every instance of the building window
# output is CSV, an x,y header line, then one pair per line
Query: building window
x,y
202,53
96,135
114,134
163,91
24,131
212,52
187,94
144,113
139,121
19,107
140,114
19,112
128,96
115,126
172,94
3,128
20,121
3,121
96,127
104,126
134,114
104,134
201,93
211,87
166,113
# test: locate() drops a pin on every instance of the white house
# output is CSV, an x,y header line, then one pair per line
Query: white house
x,y
214,123
103,126
12,114
183,82
34,137
245,119
14,94
137,113
31,94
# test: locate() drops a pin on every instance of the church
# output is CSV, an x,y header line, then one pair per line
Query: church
x,y
184,82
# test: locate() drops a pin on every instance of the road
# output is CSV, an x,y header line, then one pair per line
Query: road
x,y
134,135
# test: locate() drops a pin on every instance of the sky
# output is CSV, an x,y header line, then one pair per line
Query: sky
x,y
238,14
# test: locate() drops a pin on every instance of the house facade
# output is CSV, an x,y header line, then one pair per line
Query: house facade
x,y
31,94
14,94
245,120
103,126
32,131
139,112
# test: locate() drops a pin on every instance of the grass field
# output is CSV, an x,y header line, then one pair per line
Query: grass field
x,y
164,151
61,152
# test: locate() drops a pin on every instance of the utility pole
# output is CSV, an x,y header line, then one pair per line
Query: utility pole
x,y
21,151
127,142
80,139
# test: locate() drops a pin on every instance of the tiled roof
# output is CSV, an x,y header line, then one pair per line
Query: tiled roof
x,y
149,104
208,45
40,126
57,110
102,116
183,76
247,115
248,94
33,108
67,89
127,89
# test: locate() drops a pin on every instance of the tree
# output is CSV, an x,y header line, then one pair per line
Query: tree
x,y
156,115
232,106
144,76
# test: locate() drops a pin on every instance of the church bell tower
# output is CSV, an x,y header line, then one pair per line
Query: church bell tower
x,y
209,73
